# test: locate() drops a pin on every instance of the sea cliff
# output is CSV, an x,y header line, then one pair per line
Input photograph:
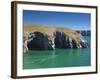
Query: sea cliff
x,y
48,38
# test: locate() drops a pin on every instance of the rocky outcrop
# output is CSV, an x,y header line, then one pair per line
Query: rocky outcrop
x,y
58,40
41,41
84,32
64,41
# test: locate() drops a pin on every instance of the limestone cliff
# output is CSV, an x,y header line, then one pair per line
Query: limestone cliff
x,y
48,38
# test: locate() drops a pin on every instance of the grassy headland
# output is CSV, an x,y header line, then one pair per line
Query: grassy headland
x,y
49,31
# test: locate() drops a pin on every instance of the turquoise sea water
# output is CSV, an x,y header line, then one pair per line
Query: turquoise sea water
x,y
57,58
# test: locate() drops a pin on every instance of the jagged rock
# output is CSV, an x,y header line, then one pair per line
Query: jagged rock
x,y
58,39
25,40
66,41
41,41
84,44
75,44
51,41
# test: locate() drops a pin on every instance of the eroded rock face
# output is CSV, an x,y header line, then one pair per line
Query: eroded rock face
x,y
67,41
52,41
64,41
25,40
84,44
39,42
58,39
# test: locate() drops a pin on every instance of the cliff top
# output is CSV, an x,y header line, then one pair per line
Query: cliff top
x,y
49,31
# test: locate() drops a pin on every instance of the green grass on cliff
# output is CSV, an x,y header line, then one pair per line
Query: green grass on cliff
x,y
49,31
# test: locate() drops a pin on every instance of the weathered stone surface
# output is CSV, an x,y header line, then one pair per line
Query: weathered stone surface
x,y
64,41
58,39
84,44
41,41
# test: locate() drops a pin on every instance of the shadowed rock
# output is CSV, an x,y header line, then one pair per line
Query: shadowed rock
x,y
58,39
66,43
84,44
75,44
40,42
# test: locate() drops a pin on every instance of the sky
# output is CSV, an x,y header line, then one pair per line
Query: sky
x,y
72,20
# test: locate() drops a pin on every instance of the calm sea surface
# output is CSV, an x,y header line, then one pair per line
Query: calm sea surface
x,y
57,58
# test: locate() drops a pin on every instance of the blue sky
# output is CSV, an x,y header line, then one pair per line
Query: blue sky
x,y
77,21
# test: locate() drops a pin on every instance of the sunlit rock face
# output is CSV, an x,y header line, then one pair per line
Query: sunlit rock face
x,y
51,41
25,40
